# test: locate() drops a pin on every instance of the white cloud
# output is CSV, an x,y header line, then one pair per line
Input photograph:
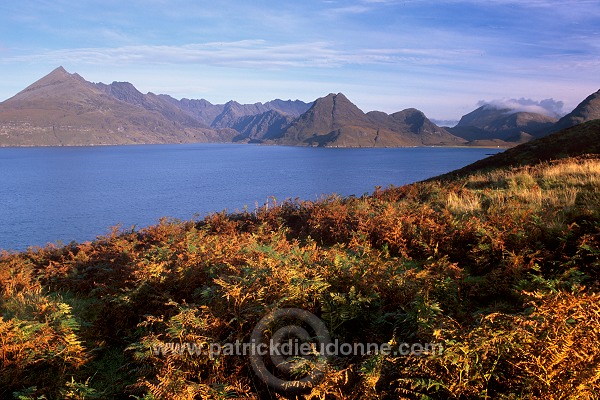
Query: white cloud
x,y
549,107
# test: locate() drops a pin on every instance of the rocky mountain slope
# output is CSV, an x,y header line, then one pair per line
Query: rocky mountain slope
x,y
335,121
587,110
505,127
225,115
63,109
261,127
126,92
490,123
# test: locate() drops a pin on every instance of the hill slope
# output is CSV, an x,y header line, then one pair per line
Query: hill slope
x,y
572,142
261,127
64,109
587,110
335,121
126,92
489,123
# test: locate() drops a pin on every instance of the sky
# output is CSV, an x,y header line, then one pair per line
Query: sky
x,y
443,57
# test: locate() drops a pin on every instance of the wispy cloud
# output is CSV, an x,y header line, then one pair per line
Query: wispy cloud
x,y
357,7
440,56
248,54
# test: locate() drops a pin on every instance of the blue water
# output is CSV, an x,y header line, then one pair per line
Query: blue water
x,y
61,194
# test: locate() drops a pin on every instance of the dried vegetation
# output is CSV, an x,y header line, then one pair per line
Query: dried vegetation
x,y
499,267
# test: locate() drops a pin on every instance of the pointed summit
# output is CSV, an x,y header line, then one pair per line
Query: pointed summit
x,y
65,109
334,121
326,115
55,83
57,75
59,70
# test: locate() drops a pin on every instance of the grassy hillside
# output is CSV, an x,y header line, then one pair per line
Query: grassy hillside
x,y
500,268
575,141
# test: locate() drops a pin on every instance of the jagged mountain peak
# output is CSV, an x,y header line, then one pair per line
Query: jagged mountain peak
x,y
65,109
58,73
334,120
123,91
53,82
66,101
338,108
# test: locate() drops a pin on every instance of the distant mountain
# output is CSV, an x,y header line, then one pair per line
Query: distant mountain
x,y
232,111
490,123
335,121
126,92
64,109
320,122
261,127
290,107
414,124
575,141
203,110
226,115
587,110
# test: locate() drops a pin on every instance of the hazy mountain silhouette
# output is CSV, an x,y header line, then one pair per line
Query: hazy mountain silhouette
x,y
202,110
224,115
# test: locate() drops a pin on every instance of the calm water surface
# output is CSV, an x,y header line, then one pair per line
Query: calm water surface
x,y
60,194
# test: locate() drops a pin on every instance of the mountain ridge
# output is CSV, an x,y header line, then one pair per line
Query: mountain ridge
x,y
63,108
491,123
335,121
509,127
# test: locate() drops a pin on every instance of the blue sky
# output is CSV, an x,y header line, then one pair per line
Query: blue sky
x,y
443,57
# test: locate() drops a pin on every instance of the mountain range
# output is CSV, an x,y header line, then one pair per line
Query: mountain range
x,y
64,109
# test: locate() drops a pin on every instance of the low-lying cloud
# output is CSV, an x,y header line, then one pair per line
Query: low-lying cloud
x,y
549,107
